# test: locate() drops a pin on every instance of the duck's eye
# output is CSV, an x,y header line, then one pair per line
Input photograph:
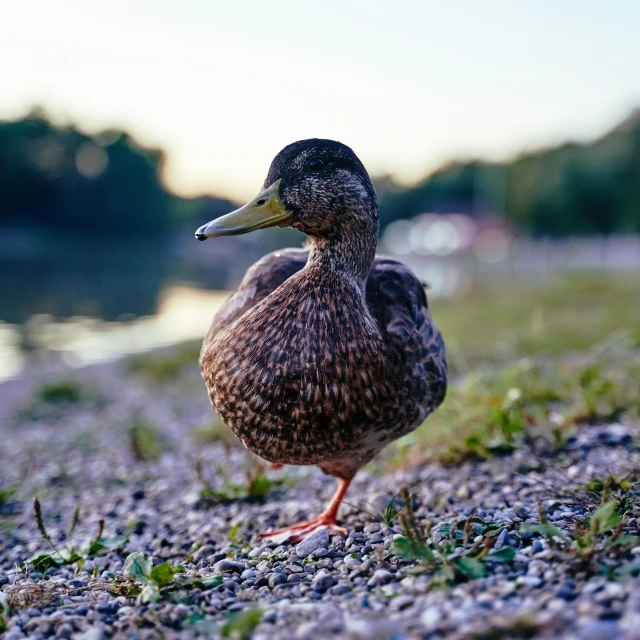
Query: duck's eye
x,y
316,164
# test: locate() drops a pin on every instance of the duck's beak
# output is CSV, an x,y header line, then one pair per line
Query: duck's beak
x,y
265,210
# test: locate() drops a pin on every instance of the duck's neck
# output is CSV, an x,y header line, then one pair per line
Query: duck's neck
x,y
350,253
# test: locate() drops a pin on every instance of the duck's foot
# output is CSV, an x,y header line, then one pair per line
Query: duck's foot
x,y
326,520
297,532
275,465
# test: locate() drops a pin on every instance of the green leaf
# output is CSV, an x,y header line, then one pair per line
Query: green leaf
x,y
96,547
163,574
43,560
503,555
493,528
241,624
259,487
138,566
210,583
605,518
411,550
548,530
150,593
582,542
470,567
622,541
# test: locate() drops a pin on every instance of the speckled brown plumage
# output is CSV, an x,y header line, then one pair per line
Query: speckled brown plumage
x,y
306,371
307,366
323,357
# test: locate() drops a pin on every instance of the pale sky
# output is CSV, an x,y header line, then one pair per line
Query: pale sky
x,y
223,86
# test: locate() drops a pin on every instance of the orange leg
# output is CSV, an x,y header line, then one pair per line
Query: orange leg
x,y
275,465
326,520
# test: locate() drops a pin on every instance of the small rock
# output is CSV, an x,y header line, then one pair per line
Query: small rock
x,y
318,539
339,590
531,581
503,540
352,563
430,618
64,630
381,576
401,602
226,566
94,633
203,552
566,592
367,629
275,579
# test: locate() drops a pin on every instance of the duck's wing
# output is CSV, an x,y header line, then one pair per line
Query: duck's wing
x,y
261,279
397,300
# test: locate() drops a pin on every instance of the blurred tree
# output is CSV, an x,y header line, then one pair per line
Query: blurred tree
x,y
58,177
571,189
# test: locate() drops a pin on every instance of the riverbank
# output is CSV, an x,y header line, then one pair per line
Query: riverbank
x,y
513,512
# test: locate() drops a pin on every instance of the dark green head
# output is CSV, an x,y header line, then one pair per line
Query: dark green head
x,y
319,187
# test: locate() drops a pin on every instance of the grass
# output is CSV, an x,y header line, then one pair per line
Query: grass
x,y
449,551
492,410
167,366
60,391
53,398
571,312
63,555
146,442
216,487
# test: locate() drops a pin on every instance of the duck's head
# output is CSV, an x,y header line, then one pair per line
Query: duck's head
x,y
319,187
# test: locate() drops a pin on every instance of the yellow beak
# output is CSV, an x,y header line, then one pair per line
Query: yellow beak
x,y
265,210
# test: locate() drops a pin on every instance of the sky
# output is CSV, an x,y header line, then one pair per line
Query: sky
x,y
409,85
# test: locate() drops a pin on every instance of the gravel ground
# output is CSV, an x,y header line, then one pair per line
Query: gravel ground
x,y
81,454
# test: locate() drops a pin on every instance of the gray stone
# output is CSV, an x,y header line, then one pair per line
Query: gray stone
x,y
352,563
275,579
381,576
503,540
530,581
230,566
339,589
318,539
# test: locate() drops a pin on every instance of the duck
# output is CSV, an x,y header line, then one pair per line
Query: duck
x,y
323,356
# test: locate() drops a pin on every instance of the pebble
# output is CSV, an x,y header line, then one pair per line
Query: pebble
x,y
352,563
318,539
275,579
502,540
227,566
531,581
381,576
315,589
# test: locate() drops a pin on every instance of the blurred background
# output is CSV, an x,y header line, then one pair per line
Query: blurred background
x,y
503,139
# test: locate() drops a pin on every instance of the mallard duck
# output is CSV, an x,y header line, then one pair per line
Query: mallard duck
x,y
321,357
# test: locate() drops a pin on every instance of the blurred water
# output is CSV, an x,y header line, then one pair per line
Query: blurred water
x,y
84,302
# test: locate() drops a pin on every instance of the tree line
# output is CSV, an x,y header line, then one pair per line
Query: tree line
x,y
572,189
61,178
